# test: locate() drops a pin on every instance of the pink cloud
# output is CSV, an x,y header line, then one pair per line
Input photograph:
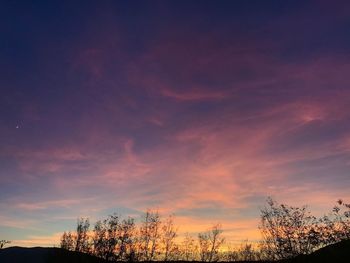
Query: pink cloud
x,y
193,95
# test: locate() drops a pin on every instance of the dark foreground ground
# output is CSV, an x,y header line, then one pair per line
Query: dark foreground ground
x,y
44,255
339,252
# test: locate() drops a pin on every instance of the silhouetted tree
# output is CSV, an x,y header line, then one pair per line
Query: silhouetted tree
x,y
341,214
288,231
126,238
209,243
168,235
106,237
67,241
150,234
99,239
204,244
189,248
82,243
335,226
112,224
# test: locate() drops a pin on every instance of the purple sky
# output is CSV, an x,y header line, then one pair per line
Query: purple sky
x,y
198,108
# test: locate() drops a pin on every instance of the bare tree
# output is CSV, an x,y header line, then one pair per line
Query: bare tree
x,y
106,237
126,232
99,239
216,241
67,241
136,252
169,233
335,226
210,243
150,234
112,224
82,243
288,231
189,248
341,226
204,245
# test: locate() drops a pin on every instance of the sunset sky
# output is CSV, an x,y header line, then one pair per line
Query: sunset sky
x,y
202,109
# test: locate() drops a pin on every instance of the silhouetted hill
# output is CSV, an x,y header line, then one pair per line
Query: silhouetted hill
x,y
44,255
339,252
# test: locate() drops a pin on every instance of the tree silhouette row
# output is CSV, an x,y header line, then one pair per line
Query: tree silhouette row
x,y
286,231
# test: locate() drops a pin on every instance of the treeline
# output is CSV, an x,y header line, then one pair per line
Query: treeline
x,y
287,231
118,239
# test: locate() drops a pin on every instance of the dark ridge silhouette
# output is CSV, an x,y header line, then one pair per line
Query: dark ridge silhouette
x,y
335,253
339,252
45,255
